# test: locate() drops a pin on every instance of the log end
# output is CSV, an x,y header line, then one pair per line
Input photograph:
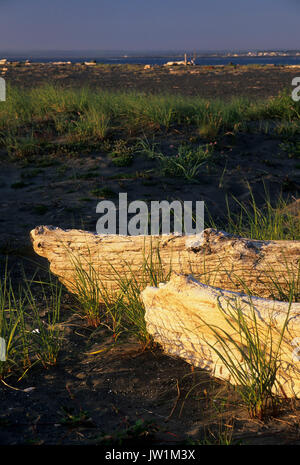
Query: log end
x,y
37,235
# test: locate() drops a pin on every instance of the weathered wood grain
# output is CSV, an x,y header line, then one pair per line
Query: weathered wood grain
x,y
214,257
183,315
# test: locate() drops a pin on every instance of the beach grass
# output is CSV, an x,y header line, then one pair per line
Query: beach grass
x,y
28,338
36,121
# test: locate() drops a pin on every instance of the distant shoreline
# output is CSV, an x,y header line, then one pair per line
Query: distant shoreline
x,y
207,81
157,60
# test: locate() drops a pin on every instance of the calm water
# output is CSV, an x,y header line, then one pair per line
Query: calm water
x,y
156,60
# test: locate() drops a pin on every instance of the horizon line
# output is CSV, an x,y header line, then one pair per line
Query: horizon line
x,y
184,50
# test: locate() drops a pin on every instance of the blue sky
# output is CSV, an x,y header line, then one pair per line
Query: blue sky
x,y
149,25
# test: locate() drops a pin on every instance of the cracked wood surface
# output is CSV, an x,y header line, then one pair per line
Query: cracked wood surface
x,y
214,257
183,314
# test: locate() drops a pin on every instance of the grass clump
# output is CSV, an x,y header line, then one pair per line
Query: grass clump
x,y
20,146
150,149
91,124
122,160
187,163
122,154
268,222
46,337
221,436
252,357
88,292
28,339
14,350
121,310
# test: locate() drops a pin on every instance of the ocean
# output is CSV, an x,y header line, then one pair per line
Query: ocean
x,y
153,60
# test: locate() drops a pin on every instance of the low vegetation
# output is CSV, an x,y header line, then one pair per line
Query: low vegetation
x,y
51,119
251,359
29,339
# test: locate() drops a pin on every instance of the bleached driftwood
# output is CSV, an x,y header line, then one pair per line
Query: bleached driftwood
x,y
180,313
184,314
214,257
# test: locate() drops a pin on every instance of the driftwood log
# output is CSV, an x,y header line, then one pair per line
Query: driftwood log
x,y
214,257
180,314
184,317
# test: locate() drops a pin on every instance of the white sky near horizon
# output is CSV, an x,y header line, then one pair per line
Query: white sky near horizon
x,y
156,25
